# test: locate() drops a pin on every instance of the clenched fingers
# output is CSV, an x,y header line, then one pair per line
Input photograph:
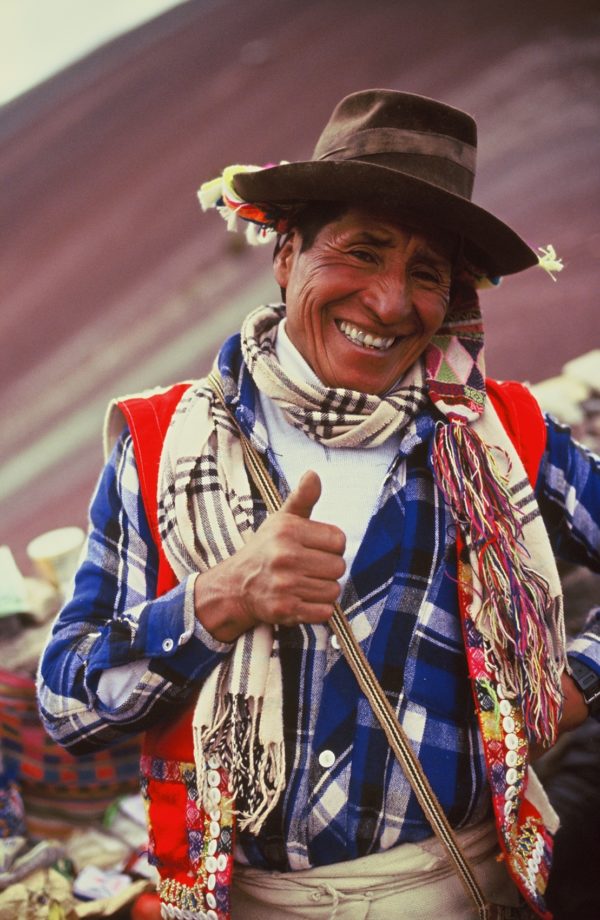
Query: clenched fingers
x,y
311,534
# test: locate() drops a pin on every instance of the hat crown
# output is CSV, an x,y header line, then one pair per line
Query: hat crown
x,y
421,137
396,151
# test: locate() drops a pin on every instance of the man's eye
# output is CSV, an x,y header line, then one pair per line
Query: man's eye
x,y
363,254
424,274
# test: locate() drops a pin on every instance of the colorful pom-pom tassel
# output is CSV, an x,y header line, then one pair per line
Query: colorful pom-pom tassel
x,y
219,193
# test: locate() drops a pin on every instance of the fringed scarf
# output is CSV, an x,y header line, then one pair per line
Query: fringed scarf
x,y
517,605
206,515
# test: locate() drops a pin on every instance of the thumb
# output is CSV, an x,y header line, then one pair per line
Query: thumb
x,y
304,497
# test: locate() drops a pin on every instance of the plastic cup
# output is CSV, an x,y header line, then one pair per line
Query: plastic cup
x,y
55,554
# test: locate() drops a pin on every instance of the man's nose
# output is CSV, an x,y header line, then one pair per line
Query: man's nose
x,y
387,297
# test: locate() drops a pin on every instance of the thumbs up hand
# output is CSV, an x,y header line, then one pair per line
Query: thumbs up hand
x,y
286,573
304,497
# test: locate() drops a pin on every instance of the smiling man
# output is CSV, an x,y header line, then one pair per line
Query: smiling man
x,y
422,502
364,301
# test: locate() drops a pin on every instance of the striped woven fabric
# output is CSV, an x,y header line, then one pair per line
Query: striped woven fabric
x,y
59,791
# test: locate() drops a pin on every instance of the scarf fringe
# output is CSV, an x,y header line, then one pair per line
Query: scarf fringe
x,y
255,769
517,613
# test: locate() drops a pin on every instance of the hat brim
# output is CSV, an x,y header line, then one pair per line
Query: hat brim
x,y
489,243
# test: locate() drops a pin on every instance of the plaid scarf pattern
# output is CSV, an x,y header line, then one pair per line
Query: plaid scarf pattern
x,y
205,514
334,417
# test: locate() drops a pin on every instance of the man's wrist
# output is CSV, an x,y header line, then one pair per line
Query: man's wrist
x,y
217,609
587,682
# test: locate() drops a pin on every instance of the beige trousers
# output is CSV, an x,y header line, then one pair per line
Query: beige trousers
x,y
408,882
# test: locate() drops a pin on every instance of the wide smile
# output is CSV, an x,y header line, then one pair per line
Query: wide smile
x,y
364,339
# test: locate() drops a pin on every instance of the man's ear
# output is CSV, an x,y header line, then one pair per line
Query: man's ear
x,y
282,263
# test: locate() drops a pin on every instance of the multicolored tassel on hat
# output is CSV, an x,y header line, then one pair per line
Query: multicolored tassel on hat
x,y
264,222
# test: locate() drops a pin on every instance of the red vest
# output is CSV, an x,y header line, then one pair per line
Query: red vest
x,y
195,870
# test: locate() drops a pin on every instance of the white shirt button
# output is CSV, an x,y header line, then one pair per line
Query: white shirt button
x,y
167,645
221,862
327,759
505,708
214,829
511,759
508,724
210,899
211,863
214,795
211,882
335,642
512,742
212,847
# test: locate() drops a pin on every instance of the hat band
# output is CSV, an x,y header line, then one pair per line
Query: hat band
x,y
400,141
435,158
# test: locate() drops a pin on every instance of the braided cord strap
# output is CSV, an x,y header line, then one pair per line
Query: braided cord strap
x,y
385,714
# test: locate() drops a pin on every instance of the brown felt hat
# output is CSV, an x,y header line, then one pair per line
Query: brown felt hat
x,y
383,148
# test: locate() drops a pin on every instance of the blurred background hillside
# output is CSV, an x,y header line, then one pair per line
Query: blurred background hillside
x,y
114,281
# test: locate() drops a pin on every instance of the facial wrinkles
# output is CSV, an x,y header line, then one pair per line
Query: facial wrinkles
x,y
389,289
397,287
398,245
310,313
384,290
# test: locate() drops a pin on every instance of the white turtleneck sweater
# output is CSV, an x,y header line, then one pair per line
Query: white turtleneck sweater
x,y
351,478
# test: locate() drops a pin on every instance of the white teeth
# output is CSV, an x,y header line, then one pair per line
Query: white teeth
x,y
365,338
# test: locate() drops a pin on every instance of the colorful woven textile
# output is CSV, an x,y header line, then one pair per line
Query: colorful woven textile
x,y
58,789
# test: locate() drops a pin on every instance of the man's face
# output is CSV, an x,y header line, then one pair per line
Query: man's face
x,y
364,301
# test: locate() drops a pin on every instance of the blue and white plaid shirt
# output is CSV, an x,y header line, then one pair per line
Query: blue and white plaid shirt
x,y
346,795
